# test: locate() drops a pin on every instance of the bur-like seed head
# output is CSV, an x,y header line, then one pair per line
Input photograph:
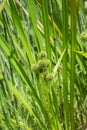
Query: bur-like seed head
x,y
35,68
42,55
43,65
49,77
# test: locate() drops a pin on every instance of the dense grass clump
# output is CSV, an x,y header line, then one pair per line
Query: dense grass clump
x,y
43,65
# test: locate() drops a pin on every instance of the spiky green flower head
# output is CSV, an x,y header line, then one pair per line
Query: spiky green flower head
x,y
83,36
49,77
42,55
43,65
35,68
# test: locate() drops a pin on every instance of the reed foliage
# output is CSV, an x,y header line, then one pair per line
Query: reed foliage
x,y
43,65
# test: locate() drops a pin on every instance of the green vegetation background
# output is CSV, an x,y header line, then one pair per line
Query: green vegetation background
x,y
43,65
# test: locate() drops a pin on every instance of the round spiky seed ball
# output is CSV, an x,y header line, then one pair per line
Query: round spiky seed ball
x,y
49,77
42,55
43,65
35,68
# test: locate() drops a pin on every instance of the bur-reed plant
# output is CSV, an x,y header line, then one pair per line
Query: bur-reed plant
x,y
42,65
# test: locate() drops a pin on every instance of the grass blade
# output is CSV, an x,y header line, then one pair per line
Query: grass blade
x,y
46,27
21,32
65,42
84,54
73,58
27,106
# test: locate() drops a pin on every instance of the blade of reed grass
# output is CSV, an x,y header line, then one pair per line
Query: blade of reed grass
x,y
57,27
12,121
44,8
4,47
57,15
84,54
27,106
8,32
73,58
53,27
58,62
65,42
14,61
33,15
4,111
19,49
14,40
1,76
78,4
2,4
55,103
20,31
40,28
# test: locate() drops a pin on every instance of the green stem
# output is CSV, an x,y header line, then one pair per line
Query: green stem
x,y
65,40
46,27
73,57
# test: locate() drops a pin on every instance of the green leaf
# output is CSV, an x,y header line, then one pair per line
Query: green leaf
x,y
1,76
46,27
84,54
2,4
26,105
21,31
4,46
58,62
